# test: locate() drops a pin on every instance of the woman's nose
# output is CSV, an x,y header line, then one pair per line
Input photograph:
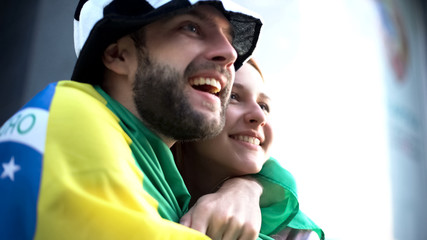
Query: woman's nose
x,y
255,115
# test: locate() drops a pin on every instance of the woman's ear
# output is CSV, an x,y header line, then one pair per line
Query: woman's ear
x,y
117,57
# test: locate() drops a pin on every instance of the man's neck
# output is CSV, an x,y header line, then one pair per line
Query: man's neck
x,y
200,175
168,141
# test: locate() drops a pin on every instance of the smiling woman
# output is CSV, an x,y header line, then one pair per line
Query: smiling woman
x,y
242,148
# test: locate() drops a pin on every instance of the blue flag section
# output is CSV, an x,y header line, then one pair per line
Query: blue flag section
x,y
22,147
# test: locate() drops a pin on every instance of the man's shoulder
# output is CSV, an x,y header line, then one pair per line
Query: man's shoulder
x,y
65,94
61,110
79,103
28,126
82,95
78,108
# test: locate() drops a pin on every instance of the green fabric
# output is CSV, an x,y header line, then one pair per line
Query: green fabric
x,y
301,221
162,179
279,202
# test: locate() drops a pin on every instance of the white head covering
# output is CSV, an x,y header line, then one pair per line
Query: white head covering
x,y
98,23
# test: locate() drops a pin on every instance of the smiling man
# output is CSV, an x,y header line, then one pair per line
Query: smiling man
x,y
181,91
89,158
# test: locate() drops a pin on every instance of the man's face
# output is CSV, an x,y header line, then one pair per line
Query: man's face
x,y
185,71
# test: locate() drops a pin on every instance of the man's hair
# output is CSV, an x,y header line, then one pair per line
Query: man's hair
x,y
139,38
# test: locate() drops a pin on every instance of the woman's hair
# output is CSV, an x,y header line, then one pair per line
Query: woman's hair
x,y
252,62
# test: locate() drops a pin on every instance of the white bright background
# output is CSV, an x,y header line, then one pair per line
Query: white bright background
x,y
324,60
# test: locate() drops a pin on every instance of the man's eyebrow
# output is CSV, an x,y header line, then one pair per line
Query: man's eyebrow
x,y
210,20
238,86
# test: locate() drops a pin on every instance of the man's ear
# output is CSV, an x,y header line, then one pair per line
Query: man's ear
x,y
117,57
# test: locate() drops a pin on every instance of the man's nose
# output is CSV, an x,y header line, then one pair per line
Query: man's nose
x,y
221,50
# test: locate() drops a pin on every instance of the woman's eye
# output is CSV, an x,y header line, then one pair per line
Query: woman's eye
x,y
264,107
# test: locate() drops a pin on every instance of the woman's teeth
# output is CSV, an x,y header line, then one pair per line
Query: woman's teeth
x,y
252,140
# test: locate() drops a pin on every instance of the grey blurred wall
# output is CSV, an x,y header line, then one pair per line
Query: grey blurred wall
x,y
407,114
37,48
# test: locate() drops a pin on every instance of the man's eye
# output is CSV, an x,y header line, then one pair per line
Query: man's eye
x,y
192,27
234,96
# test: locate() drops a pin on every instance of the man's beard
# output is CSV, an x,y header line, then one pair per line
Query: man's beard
x,y
161,100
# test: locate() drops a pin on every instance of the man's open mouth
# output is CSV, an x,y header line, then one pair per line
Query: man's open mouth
x,y
210,85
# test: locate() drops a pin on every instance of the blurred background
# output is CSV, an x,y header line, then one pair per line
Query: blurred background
x,y
349,83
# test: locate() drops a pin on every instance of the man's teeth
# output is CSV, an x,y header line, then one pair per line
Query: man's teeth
x,y
248,139
207,81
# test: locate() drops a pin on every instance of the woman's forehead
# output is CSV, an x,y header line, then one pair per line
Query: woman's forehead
x,y
249,79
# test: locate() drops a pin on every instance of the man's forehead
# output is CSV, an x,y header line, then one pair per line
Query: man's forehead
x,y
208,14
212,15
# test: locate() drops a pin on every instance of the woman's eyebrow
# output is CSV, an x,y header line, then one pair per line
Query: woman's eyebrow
x,y
261,94
265,96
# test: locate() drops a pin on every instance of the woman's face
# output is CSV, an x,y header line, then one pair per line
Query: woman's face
x,y
242,146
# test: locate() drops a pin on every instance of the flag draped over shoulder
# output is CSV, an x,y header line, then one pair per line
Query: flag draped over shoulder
x,y
75,171
162,178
